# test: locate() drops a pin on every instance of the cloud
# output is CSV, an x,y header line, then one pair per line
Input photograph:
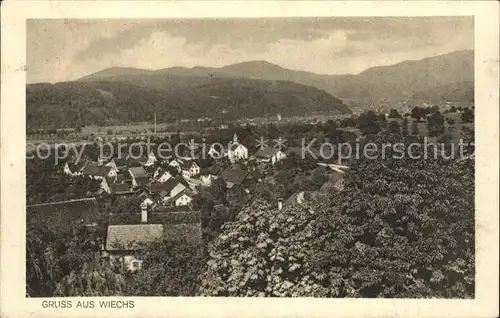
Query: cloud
x,y
68,49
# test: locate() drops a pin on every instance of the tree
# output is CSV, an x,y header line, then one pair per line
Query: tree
x,y
467,115
169,268
401,228
435,124
265,252
394,113
212,218
394,127
414,128
383,121
51,256
404,127
368,123
416,113
94,279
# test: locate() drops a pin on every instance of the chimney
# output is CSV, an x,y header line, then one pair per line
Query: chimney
x,y
144,213
280,204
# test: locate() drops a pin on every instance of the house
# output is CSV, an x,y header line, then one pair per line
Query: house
x,y
269,155
336,181
300,198
120,188
151,160
193,183
234,176
158,172
176,163
165,176
118,164
96,171
148,201
206,180
101,160
189,169
124,241
208,175
139,175
137,161
124,177
182,198
168,189
236,151
105,186
216,154
76,168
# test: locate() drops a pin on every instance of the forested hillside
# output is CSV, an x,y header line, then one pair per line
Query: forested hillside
x,y
136,98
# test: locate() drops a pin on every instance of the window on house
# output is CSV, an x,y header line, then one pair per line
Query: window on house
x,y
135,264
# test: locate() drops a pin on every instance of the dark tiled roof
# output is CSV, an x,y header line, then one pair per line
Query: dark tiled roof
x,y
78,166
187,165
138,172
234,175
181,193
119,188
142,181
266,152
190,232
96,170
120,163
158,187
131,237
124,176
167,186
214,170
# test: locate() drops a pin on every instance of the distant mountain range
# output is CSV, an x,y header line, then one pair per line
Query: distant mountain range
x,y
395,82
251,89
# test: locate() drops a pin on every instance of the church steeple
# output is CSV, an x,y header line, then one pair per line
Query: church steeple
x,y
235,138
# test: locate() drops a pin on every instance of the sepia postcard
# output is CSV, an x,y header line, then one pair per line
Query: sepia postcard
x,y
249,159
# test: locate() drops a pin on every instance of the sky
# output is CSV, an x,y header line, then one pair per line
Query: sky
x,y
63,50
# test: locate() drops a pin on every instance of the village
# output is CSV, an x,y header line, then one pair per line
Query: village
x,y
167,185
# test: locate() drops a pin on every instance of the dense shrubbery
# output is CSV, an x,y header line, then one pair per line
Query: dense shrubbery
x,y
400,228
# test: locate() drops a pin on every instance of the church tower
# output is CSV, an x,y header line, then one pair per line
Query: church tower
x,y
235,139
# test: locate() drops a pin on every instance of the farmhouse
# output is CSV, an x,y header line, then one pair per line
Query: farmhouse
x,y
95,171
209,174
176,163
124,241
169,189
216,154
165,176
139,176
124,177
189,169
75,169
118,164
151,159
137,161
182,198
105,186
120,188
269,155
